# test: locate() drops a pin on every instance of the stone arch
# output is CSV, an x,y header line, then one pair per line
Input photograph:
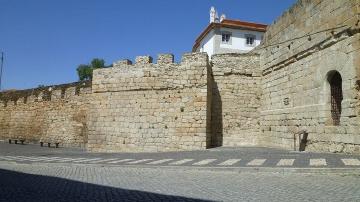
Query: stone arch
x,y
343,64
336,96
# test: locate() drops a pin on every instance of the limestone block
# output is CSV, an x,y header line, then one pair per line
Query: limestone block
x,y
121,63
165,59
143,60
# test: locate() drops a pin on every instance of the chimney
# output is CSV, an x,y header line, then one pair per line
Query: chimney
x,y
223,17
212,14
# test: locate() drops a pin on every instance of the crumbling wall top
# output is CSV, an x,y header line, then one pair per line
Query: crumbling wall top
x,y
45,93
146,75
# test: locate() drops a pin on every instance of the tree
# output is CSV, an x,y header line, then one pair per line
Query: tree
x,y
97,63
85,71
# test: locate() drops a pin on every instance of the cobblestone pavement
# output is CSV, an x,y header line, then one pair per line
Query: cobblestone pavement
x,y
219,157
54,182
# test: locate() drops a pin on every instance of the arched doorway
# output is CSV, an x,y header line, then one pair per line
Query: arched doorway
x,y
335,81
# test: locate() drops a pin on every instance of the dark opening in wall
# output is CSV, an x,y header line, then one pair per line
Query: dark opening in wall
x,y
335,82
77,90
46,95
62,93
357,86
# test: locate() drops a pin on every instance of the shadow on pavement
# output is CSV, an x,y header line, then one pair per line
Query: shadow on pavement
x,y
16,186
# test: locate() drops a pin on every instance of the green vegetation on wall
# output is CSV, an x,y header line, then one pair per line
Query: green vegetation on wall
x,y
85,70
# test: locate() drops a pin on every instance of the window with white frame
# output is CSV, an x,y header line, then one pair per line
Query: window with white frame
x,y
250,39
226,37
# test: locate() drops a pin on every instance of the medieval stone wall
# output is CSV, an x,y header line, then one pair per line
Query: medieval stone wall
x,y
151,107
301,50
236,99
49,114
259,99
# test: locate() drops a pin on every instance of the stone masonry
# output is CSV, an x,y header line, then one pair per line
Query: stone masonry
x,y
305,76
49,114
296,74
151,107
236,99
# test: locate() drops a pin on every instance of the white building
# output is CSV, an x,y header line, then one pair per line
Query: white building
x,y
228,36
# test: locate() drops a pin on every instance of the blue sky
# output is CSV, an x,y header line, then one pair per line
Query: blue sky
x,y
45,40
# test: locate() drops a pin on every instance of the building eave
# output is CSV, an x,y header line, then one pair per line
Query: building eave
x,y
233,24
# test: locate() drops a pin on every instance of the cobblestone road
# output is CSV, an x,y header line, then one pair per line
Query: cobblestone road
x,y
54,182
219,157
350,163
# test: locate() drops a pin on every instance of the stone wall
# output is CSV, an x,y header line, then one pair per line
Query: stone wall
x,y
258,99
236,99
300,51
52,113
151,107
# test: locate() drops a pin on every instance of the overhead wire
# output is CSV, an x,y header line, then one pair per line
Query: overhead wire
x,y
1,69
303,36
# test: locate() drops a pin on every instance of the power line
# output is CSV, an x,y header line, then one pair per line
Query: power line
x,y
1,68
309,35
